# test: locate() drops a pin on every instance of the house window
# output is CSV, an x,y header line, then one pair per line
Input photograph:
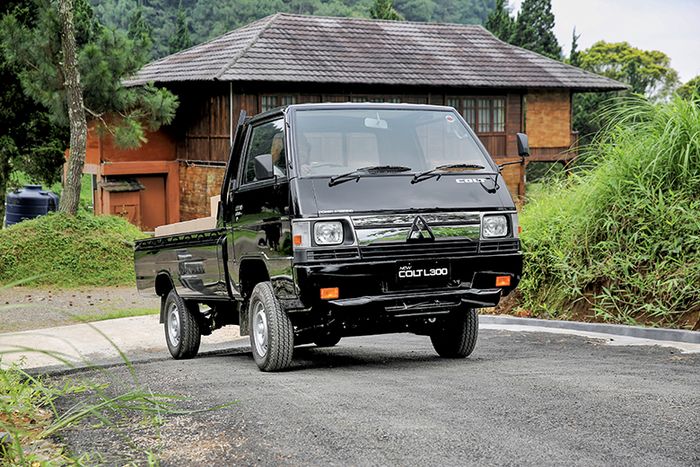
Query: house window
x,y
483,114
270,102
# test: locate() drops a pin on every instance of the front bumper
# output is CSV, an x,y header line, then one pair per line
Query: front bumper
x,y
372,285
418,303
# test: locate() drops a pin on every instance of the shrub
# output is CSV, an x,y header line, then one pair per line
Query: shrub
x,y
68,251
621,242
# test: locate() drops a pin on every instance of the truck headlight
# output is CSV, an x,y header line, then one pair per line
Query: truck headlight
x,y
494,226
328,233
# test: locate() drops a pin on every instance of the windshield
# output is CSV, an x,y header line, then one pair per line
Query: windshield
x,y
337,141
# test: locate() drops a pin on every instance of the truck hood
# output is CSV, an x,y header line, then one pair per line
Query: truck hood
x,y
396,193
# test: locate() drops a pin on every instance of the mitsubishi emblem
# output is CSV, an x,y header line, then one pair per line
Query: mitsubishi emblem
x,y
420,230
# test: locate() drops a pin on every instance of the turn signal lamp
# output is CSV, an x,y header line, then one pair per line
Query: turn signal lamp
x,y
502,281
301,234
330,293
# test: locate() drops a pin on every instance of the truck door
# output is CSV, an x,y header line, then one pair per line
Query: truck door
x,y
227,216
261,225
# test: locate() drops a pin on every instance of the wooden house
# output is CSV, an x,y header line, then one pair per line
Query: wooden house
x,y
284,59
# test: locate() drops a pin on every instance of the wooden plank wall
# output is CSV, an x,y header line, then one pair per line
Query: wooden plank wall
x,y
205,118
207,133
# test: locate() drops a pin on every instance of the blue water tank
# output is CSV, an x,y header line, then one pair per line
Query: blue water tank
x,y
27,203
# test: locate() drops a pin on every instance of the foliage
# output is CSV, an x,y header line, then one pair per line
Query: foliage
x,y
534,28
69,251
34,411
575,53
384,9
28,140
500,22
647,72
589,115
181,39
30,35
690,89
211,18
141,33
621,243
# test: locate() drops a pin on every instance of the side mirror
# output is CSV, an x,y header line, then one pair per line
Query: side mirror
x,y
263,167
523,147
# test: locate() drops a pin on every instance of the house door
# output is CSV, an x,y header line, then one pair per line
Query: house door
x,y
153,202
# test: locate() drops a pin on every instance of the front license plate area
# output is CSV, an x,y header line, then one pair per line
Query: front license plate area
x,y
419,273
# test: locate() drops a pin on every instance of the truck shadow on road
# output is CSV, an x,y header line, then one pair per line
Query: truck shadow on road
x,y
312,358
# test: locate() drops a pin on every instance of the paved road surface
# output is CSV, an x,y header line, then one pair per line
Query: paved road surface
x,y
521,399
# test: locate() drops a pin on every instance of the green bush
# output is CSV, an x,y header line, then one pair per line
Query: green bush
x,y
621,242
68,251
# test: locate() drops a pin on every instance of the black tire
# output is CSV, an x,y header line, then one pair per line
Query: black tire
x,y
458,338
274,353
184,336
327,340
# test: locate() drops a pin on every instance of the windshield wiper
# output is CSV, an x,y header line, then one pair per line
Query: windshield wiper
x,y
358,173
437,171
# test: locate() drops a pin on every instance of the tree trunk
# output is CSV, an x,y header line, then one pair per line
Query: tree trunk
x,y
70,197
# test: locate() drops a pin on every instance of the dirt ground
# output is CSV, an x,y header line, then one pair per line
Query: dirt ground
x,y
23,308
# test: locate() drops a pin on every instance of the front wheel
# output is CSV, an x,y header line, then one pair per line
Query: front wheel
x,y
182,332
457,338
271,331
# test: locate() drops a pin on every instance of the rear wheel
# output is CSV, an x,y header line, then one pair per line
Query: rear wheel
x,y
182,333
271,331
457,338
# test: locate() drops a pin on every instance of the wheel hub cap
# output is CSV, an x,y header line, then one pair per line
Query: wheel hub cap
x,y
173,325
260,329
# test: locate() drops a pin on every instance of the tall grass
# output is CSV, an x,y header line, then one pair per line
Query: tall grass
x,y
621,242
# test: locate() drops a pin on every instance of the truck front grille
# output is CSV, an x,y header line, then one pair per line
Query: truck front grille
x,y
499,246
419,250
441,249
333,254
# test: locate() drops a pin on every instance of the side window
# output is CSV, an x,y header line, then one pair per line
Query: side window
x,y
266,157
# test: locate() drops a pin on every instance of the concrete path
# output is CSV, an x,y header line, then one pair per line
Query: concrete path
x,y
142,339
82,345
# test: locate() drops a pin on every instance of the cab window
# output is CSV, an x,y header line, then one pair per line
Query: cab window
x,y
265,157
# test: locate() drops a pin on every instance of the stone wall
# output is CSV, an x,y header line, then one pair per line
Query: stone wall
x,y
548,119
198,184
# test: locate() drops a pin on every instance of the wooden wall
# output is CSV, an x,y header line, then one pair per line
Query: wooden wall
x,y
204,120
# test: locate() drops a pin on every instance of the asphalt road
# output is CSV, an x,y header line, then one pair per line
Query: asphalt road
x,y
520,399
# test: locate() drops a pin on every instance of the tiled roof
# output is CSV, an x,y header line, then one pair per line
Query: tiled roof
x,y
315,49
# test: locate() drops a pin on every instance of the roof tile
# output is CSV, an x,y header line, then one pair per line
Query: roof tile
x,y
298,48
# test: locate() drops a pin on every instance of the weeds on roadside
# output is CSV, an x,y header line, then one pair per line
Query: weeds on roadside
x,y
31,420
621,242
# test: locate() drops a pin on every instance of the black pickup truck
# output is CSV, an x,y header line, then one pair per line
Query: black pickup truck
x,y
342,220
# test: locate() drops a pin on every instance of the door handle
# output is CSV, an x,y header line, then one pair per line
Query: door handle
x,y
184,256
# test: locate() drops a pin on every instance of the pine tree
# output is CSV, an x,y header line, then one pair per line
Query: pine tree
x,y
384,9
141,32
33,45
181,39
534,28
499,21
575,54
